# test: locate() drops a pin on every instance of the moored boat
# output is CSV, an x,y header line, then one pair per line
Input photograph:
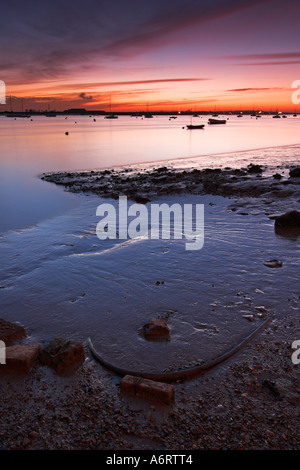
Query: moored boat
x,y
217,121
191,126
111,116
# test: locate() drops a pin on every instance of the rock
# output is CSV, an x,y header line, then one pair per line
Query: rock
x,y
156,329
146,388
141,200
254,168
288,223
11,333
295,172
63,356
273,263
20,358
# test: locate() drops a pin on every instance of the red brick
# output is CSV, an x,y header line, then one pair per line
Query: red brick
x,y
146,388
20,358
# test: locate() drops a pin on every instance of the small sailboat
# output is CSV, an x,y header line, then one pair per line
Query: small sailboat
x,y
111,115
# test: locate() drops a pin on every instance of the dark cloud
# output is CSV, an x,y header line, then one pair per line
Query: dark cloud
x,y
48,40
180,16
129,82
271,56
286,62
257,89
84,97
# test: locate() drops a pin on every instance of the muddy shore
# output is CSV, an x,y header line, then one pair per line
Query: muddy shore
x,y
246,184
250,402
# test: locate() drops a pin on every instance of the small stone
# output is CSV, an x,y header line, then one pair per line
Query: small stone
x,y
254,168
156,329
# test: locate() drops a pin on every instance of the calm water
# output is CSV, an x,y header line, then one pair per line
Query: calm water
x,y
29,148
59,279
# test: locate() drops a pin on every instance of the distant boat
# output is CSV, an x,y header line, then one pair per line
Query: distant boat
x,y
111,116
18,115
284,116
277,116
172,117
217,121
295,115
191,126
148,115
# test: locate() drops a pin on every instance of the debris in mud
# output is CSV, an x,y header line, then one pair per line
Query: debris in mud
x,y
249,317
273,263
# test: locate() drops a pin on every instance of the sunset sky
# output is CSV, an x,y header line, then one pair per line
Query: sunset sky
x,y
160,54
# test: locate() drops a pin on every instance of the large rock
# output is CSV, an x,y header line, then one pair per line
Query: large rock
x,y
146,388
63,356
20,358
295,172
11,333
288,224
156,329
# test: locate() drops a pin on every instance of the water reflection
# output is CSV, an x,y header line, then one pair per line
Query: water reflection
x,y
29,148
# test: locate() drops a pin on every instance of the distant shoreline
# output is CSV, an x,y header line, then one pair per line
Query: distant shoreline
x,y
84,112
